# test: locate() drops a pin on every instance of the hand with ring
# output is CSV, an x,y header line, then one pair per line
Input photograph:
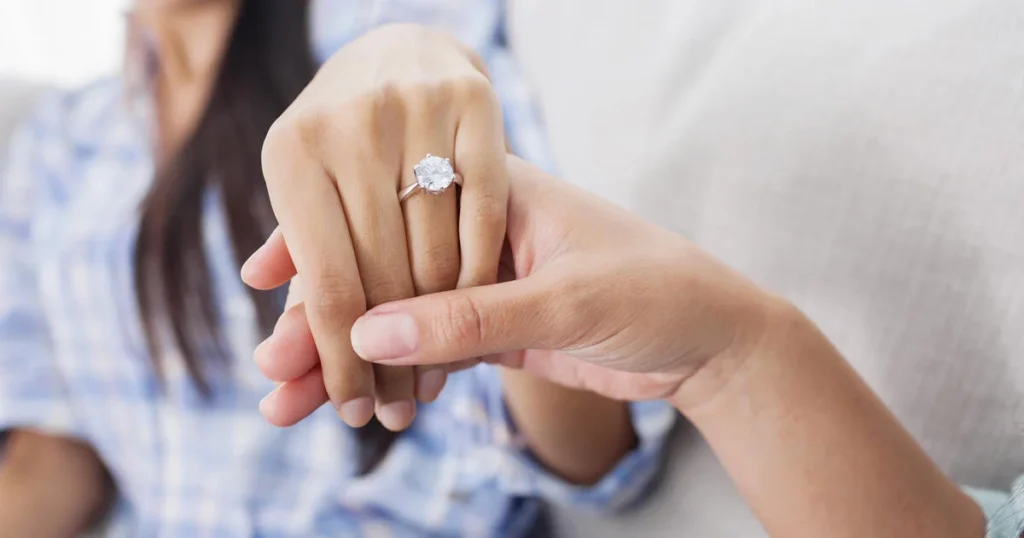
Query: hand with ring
x,y
362,171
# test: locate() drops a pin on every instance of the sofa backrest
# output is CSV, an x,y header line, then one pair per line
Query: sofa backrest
x,y
865,159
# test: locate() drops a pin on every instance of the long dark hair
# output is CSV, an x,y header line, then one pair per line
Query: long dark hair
x,y
267,62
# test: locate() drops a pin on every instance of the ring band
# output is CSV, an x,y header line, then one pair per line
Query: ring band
x,y
434,175
411,189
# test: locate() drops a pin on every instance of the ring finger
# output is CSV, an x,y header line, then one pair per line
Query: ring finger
x,y
431,223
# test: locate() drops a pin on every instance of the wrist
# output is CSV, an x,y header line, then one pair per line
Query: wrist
x,y
763,332
576,434
794,425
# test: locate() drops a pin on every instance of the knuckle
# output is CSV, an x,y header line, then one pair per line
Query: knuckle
x,y
394,382
464,325
336,298
364,212
350,125
289,138
437,270
370,122
347,377
383,290
439,96
394,374
348,128
421,101
490,211
371,216
385,96
351,380
420,95
474,90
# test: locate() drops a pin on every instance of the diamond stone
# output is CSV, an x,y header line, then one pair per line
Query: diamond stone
x,y
434,174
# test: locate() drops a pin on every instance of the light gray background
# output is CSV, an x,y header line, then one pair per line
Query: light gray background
x,y
865,159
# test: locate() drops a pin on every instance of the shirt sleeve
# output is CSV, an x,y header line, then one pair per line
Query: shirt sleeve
x,y
32,393
521,475
1003,511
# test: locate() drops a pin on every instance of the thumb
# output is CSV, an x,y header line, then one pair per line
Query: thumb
x,y
461,324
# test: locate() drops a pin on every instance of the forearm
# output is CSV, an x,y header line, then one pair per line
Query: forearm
x,y
813,450
49,487
576,434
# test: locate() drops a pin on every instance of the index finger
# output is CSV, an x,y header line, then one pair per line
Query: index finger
x,y
313,223
271,266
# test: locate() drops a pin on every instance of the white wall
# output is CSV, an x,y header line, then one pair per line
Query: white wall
x,y
62,42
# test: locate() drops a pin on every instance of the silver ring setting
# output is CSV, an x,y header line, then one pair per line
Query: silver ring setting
x,y
434,175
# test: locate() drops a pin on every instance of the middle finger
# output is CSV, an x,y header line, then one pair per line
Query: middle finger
x,y
378,238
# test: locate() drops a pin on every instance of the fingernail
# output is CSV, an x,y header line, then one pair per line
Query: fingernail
x,y
247,265
429,384
397,416
268,404
246,271
384,337
259,355
280,326
356,413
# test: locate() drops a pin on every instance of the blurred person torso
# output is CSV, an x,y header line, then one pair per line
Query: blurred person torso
x,y
74,359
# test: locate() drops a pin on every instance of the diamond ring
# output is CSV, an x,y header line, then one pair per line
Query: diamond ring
x,y
434,175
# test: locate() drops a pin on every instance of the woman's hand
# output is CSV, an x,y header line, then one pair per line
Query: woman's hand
x,y
335,163
633,311
604,301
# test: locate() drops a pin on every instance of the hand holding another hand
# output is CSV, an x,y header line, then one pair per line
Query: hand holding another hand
x,y
593,298
603,301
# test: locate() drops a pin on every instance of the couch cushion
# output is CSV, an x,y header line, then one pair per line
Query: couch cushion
x,y
862,158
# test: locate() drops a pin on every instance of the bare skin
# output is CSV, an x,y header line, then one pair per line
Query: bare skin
x,y
334,163
812,449
53,486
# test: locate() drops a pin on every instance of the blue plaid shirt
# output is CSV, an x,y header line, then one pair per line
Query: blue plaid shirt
x,y
1004,511
73,362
